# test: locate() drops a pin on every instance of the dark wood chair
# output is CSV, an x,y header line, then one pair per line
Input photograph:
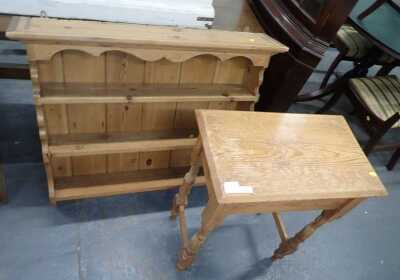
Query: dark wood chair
x,y
377,103
352,46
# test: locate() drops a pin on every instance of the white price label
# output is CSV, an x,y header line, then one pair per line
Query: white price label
x,y
235,187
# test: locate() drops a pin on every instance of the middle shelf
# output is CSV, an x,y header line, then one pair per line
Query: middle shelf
x,y
81,93
66,145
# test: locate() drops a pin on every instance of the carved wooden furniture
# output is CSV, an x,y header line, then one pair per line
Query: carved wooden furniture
x,y
307,28
264,162
115,102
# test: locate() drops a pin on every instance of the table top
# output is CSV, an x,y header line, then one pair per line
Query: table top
x,y
284,157
381,26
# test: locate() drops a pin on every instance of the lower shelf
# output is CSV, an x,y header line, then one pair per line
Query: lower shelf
x,y
99,185
112,143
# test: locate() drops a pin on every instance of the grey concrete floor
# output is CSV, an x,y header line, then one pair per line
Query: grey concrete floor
x,y
131,236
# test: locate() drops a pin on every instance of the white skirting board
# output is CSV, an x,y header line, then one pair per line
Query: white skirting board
x,y
185,13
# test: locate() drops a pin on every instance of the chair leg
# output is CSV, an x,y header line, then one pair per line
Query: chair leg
x,y
386,69
387,125
343,90
373,141
331,102
331,68
393,160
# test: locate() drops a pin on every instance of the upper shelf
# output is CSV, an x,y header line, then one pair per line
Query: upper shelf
x,y
45,37
67,31
81,93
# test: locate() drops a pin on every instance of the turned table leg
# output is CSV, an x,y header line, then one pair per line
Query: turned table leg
x,y
212,216
290,245
180,199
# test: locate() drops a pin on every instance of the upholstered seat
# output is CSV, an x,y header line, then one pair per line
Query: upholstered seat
x,y
380,94
356,45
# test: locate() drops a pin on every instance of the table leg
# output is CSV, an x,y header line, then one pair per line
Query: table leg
x,y
180,199
290,245
212,216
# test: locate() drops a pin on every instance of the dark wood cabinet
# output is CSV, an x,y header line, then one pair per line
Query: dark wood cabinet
x,y
307,27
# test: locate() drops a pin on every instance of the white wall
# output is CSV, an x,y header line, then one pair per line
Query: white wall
x,y
159,12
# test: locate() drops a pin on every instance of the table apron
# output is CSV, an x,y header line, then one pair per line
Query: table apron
x,y
287,206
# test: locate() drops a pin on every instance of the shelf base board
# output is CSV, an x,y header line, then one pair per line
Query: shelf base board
x,y
100,185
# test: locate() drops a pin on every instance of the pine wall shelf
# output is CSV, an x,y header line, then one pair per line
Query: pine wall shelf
x,y
115,102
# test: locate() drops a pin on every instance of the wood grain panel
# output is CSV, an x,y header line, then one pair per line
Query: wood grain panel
x,y
159,116
300,160
122,68
233,71
198,70
222,105
86,118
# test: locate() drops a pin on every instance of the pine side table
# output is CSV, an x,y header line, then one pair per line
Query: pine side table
x,y
268,163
